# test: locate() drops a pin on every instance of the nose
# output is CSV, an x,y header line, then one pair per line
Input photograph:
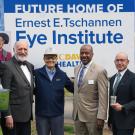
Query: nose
x,y
23,51
83,54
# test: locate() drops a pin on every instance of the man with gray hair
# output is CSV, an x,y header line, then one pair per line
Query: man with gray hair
x,y
122,98
18,77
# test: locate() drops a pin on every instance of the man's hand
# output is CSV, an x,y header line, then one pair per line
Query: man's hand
x,y
9,122
110,126
117,106
100,123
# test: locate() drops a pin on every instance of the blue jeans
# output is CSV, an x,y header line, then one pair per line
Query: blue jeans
x,y
47,125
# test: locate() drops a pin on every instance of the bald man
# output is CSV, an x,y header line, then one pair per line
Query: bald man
x,y
90,95
122,86
18,78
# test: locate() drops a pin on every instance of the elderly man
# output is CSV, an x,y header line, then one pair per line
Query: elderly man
x,y
90,96
49,95
122,87
18,77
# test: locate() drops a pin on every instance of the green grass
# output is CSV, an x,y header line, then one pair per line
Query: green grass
x,y
67,93
0,132
69,130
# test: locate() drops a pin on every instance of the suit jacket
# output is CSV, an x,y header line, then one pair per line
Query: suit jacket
x,y
91,98
21,94
124,119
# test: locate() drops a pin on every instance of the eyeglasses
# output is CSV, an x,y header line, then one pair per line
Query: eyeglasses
x,y
121,60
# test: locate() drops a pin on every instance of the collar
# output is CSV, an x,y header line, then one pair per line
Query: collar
x,y
122,72
88,65
50,70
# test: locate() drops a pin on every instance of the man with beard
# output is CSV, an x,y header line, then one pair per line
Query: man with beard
x,y
18,77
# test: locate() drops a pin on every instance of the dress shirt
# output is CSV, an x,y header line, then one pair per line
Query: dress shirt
x,y
26,72
85,70
50,73
122,73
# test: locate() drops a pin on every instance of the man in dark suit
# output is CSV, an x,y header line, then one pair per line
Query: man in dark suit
x,y
18,77
122,112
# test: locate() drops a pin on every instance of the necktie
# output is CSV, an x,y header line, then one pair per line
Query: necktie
x,y
116,83
81,76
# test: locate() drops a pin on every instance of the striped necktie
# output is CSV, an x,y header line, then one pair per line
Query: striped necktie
x,y
118,76
81,76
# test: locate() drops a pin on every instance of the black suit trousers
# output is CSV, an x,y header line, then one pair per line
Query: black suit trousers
x,y
20,128
122,131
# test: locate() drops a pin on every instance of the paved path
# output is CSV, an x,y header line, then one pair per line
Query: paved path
x,y
68,107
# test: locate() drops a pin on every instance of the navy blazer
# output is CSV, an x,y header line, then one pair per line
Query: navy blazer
x,y
124,119
49,95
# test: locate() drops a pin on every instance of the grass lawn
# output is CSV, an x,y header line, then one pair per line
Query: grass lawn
x,y
0,132
69,130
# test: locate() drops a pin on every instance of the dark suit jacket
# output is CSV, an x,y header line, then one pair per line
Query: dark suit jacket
x,y
21,94
124,119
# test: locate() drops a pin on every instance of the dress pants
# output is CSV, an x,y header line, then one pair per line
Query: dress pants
x,y
122,131
5,130
47,125
20,128
87,128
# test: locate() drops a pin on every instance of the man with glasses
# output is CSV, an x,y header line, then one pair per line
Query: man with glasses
x,y
49,95
122,86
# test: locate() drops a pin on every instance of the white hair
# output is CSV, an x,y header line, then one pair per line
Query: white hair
x,y
17,43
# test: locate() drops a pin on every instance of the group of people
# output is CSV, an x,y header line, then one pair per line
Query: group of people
x,y
90,90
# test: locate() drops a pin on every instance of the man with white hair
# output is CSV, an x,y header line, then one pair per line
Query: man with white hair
x,y
122,98
18,77
49,95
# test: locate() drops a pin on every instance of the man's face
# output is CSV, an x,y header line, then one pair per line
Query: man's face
x,y
21,51
50,61
1,42
86,54
121,62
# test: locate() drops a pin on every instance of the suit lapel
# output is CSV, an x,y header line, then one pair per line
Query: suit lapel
x,y
111,84
44,73
122,81
18,68
77,70
31,72
88,73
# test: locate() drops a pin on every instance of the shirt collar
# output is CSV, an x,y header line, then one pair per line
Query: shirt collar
x,y
123,72
88,65
49,70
